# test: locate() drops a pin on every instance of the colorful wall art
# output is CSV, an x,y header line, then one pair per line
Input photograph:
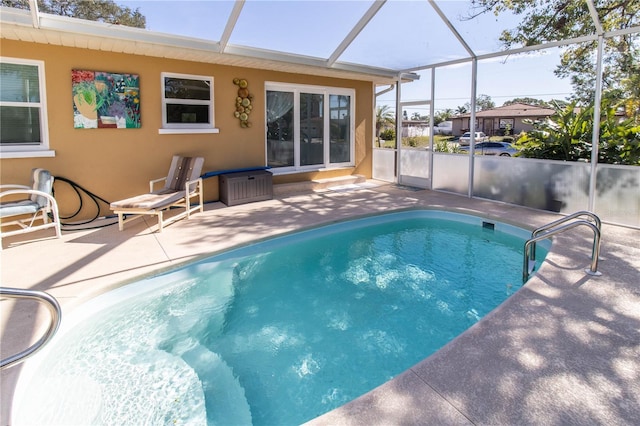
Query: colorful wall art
x,y
105,100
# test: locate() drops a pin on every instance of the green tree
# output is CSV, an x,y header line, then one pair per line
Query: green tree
x,y
567,136
483,102
528,101
553,103
551,20
632,101
462,109
619,140
94,10
443,115
385,117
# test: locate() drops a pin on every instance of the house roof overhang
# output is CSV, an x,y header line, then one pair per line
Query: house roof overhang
x,y
56,30
36,27
515,110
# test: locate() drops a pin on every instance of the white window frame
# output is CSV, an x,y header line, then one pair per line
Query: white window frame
x,y
30,150
177,128
504,122
326,91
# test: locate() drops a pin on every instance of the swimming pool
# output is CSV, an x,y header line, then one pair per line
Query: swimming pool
x,y
279,331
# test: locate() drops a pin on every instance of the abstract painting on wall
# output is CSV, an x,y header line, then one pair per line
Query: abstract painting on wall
x,y
105,100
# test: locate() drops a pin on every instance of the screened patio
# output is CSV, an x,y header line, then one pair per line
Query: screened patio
x,y
425,57
511,368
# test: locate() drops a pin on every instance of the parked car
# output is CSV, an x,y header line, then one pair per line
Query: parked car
x,y
466,138
443,128
502,149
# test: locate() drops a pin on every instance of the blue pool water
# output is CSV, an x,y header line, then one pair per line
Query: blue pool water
x,y
280,331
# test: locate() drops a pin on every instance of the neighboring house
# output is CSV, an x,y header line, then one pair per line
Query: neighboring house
x,y
304,122
504,120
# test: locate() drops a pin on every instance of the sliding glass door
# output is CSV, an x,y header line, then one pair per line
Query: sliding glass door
x,y
308,127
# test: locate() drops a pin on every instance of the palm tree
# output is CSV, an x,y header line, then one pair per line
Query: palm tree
x,y
443,115
385,117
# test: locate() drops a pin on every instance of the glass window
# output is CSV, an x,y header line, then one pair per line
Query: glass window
x,y
309,127
280,129
22,106
340,125
506,123
187,102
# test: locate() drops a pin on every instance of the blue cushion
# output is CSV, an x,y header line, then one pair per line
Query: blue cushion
x,y
14,208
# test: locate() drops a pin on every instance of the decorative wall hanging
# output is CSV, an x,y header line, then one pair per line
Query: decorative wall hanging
x,y
105,100
243,102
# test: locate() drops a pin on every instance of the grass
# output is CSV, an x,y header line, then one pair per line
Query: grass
x,y
441,143
418,142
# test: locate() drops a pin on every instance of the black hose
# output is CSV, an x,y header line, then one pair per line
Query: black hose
x,y
95,198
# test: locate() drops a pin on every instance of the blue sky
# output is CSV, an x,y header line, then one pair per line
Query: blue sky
x,y
503,79
404,34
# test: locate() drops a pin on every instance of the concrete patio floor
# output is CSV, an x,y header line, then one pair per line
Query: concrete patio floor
x,y
564,349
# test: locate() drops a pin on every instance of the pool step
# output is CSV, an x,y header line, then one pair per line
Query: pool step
x,y
317,184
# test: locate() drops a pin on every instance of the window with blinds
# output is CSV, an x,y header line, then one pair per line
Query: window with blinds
x,y
22,105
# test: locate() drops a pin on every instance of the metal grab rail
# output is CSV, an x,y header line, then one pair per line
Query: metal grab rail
x,y
56,316
560,221
529,262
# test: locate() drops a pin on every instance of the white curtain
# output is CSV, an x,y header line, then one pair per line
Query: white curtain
x,y
278,104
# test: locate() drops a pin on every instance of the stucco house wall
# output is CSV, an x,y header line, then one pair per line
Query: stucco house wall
x,y
118,163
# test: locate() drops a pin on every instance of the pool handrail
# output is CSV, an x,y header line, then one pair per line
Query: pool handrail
x,y
529,261
56,316
560,221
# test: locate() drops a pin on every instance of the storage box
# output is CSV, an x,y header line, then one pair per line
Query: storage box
x,y
246,187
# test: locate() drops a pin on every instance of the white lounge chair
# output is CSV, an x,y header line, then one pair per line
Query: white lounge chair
x,y
35,204
182,183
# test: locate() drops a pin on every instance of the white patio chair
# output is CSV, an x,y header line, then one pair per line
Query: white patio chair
x,y
182,183
28,205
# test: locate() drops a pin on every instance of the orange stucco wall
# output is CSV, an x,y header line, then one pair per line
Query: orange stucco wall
x,y
118,163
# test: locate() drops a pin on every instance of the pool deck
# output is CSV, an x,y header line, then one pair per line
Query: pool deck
x,y
563,350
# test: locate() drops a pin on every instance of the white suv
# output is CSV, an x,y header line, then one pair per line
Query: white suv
x,y
466,138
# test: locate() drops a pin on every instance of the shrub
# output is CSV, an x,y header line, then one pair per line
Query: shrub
x,y
388,134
